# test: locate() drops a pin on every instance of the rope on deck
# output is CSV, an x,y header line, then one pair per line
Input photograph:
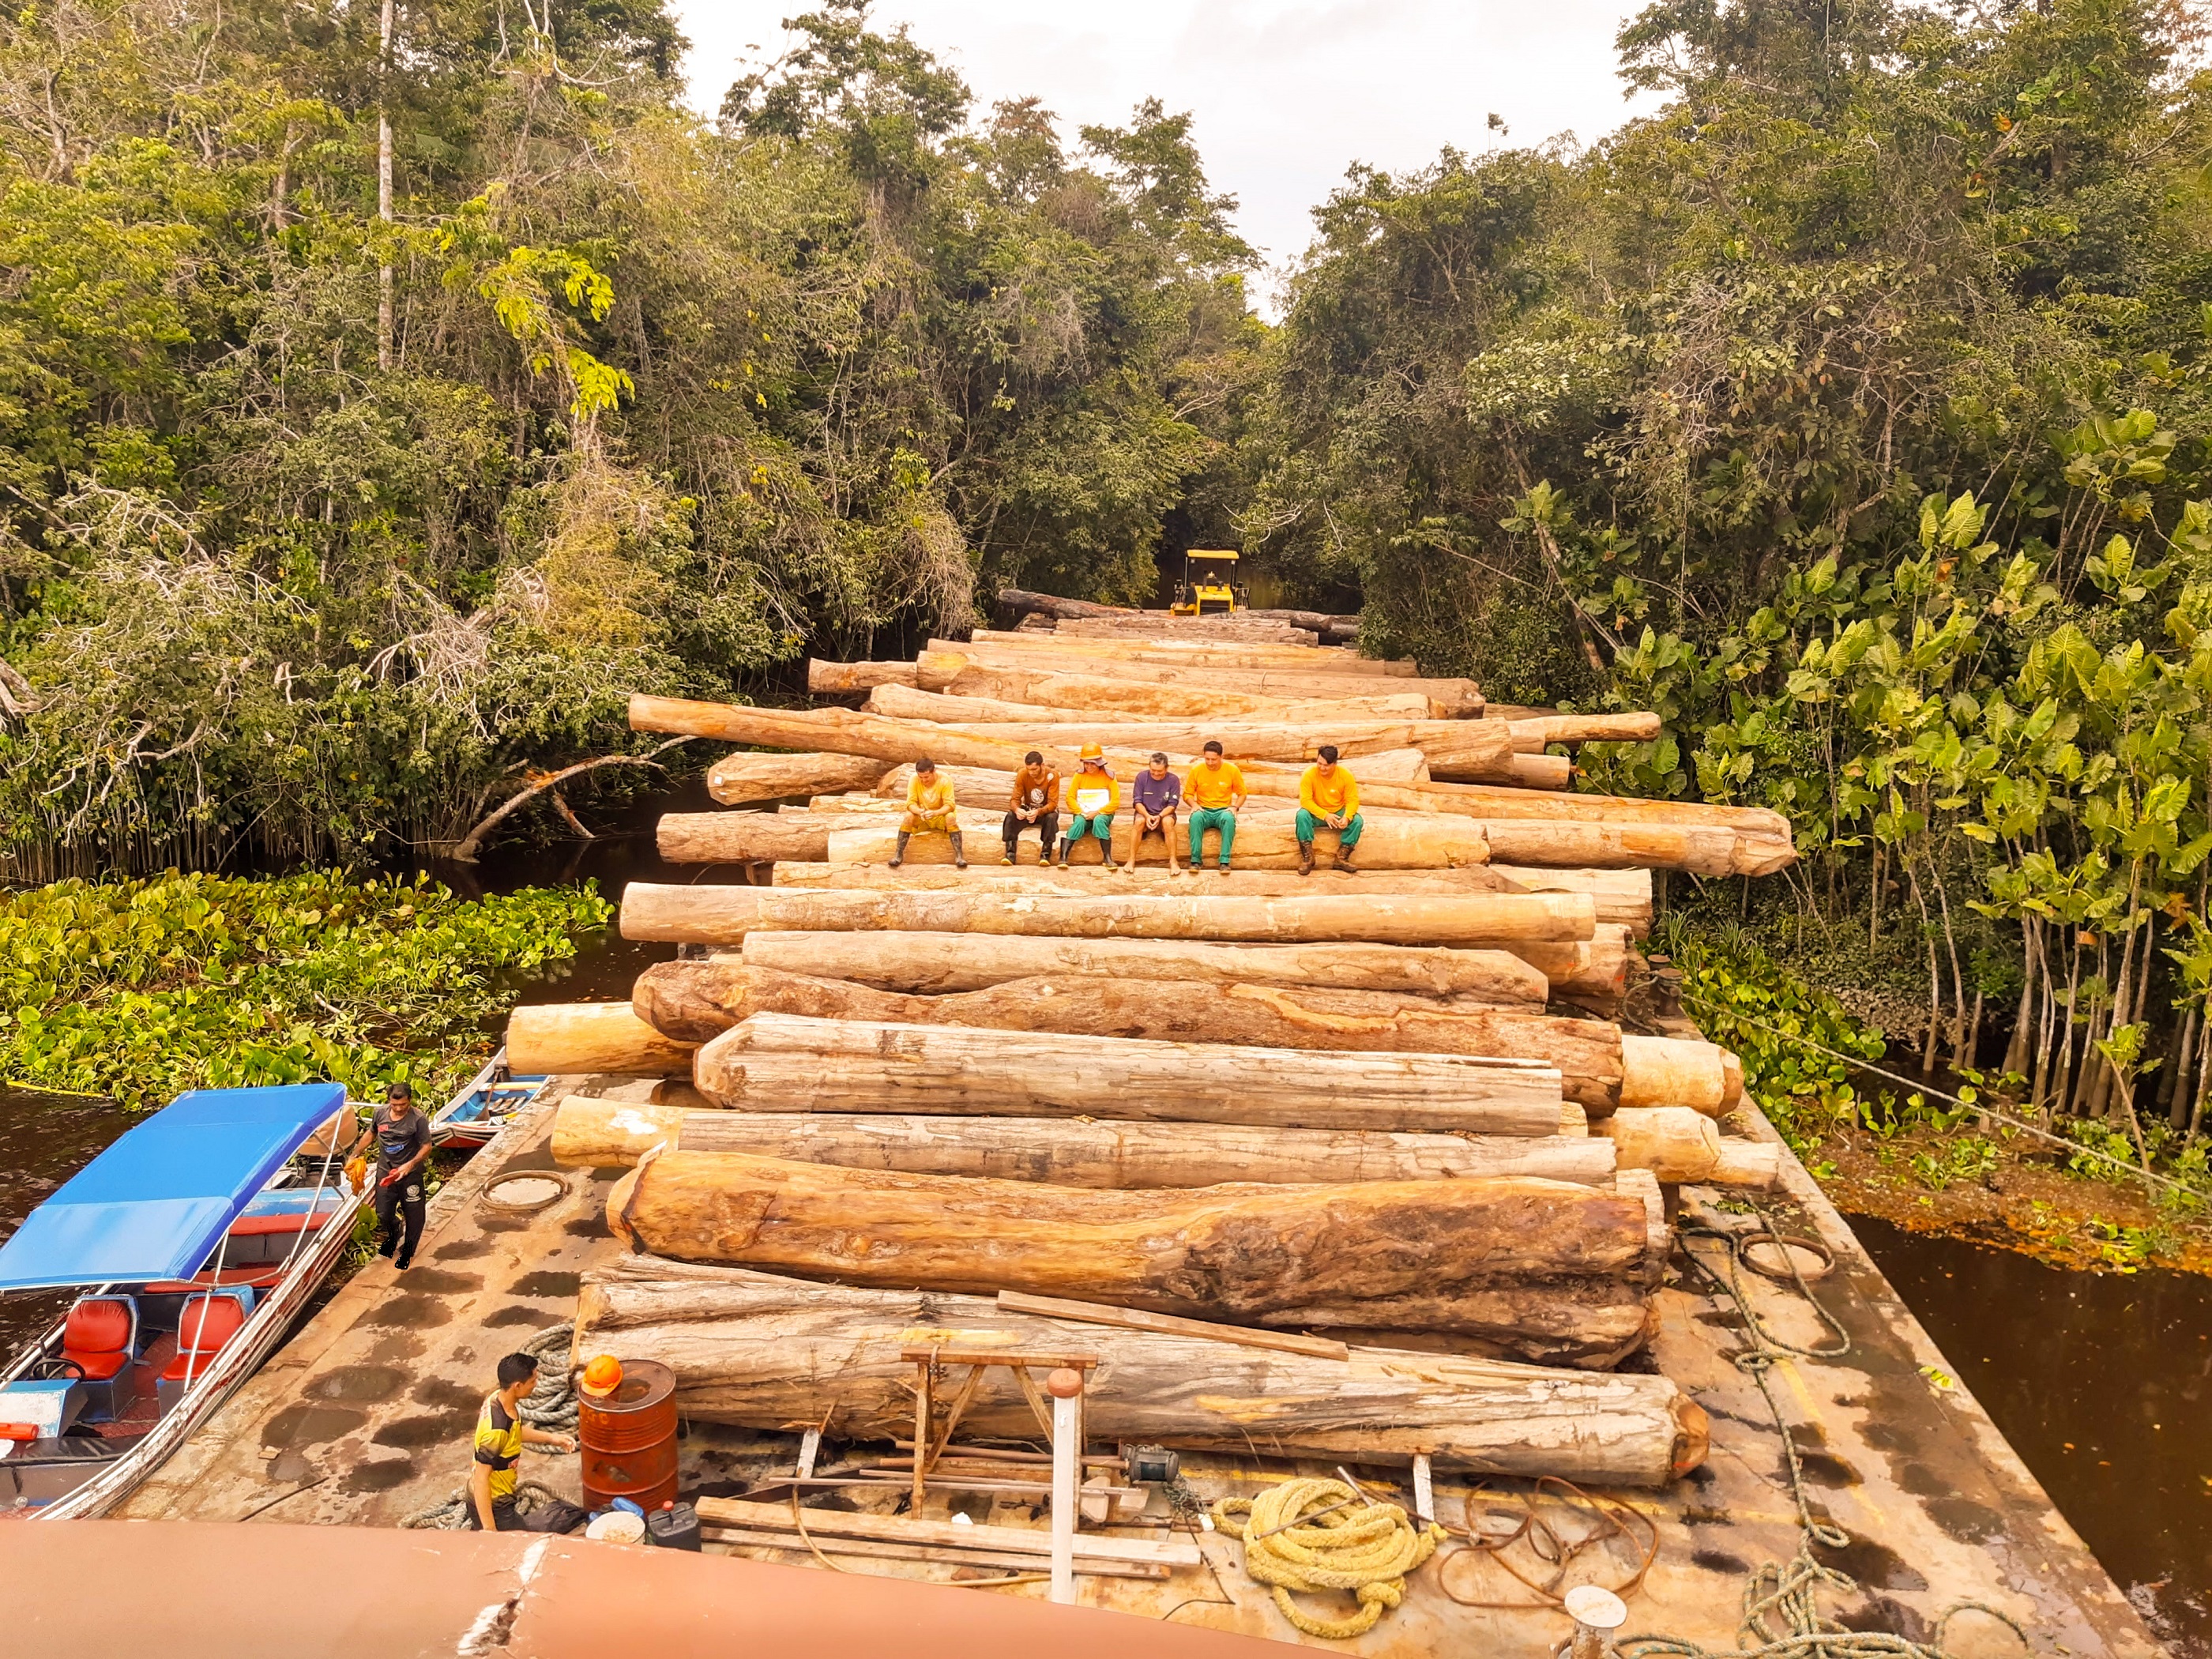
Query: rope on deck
x,y
1314,1533
551,1405
1781,1616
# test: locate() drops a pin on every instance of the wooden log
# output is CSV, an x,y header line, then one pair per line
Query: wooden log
x,y
737,779
1667,1072
756,1351
1532,734
1222,654
1023,602
1009,675
837,1525
593,1133
1265,841
1540,1270
1591,973
785,1062
1135,1319
1622,896
1678,1145
697,1001
787,1541
933,964
843,678
1521,771
724,915
553,1039
903,702
1097,695
1088,880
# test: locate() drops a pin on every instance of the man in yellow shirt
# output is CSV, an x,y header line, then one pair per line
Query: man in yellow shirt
x,y
929,806
500,1437
1329,798
1092,795
1214,790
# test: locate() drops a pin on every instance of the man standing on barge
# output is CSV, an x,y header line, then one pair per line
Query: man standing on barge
x,y
403,1146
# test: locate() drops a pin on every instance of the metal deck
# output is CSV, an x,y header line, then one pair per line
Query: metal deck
x,y
364,1418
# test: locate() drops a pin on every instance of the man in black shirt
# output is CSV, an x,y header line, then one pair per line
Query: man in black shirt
x,y
403,1146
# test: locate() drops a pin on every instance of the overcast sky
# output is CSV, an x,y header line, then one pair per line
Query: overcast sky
x,y
1285,92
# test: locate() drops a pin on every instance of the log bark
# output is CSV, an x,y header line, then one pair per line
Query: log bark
x,y
737,780
1220,654
781,1063
578,1038
1008,675
1246,633
935,964
697,1001
1622,896
595,1133
1540,1270
724,915
1097,695
1265,841
1677,1144
759,1351
844,678
902,703
1521,771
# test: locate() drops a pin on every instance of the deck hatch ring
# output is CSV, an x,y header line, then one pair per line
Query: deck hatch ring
x,y
523,1192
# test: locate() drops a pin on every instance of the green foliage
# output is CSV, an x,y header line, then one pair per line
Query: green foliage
x,y
139,990
1742,999
661,405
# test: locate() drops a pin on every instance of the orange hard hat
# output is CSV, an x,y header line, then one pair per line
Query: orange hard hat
x,y
1091,752
603,1374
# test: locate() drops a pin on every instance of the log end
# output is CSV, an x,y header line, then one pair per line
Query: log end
x,y
1693,1433
1756,1165
1731,1080
618,1201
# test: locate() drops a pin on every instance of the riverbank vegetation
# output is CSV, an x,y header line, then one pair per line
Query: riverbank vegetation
x,y
139,990
1853,409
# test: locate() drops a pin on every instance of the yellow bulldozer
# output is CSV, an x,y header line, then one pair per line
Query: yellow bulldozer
x,y
1209,586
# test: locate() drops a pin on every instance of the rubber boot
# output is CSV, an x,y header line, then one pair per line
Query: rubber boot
x,y
1067,843
1009,859
1305,858
959,858
898,853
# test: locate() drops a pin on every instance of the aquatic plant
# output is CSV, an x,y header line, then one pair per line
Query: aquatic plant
x,y
140,989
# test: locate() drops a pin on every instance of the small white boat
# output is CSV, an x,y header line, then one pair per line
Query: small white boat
x,y
483,1105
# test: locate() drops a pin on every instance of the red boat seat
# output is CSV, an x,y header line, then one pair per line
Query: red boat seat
x,y
256,1226
99,1336
208,1323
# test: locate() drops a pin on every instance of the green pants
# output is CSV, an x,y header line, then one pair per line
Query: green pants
x,y
1101,825
1308,826
1203,818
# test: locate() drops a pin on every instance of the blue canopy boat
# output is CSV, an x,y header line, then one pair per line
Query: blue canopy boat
x,y
193,1242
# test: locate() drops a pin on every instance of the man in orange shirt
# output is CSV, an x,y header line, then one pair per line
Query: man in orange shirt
x,y
1329,798
1214,791
930,805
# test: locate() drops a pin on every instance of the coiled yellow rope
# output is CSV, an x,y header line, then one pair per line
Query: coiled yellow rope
x,y
1366,1548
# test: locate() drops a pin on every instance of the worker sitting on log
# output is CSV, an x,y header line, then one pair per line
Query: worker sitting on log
x,y
929,806
1035,801
1329,798
1092,795
1215,790
1154,796
501,1436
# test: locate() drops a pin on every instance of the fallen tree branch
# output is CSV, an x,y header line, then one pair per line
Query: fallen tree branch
x,y
465,850
16,697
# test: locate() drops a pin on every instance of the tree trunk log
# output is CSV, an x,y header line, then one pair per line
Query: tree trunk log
x,y
1179,654
1094,880
934,964
1678,1145
1010,675
902,703
739,779
782,1063
1241,630
1622,896
577,1038
596,1134
759,1351
1021,602
1540,1270
724,914
697,1001
1095,694
844,678
1265,841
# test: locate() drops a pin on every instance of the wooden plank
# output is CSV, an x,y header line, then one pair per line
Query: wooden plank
x,y
1134,1319
742,1538
829,1524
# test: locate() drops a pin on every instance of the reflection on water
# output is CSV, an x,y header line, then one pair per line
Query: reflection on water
x,y
44,1140
2100,1383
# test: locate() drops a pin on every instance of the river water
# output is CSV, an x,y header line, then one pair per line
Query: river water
x,y
2099,1381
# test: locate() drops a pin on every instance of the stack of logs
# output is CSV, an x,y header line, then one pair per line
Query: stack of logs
x,y
1392,1109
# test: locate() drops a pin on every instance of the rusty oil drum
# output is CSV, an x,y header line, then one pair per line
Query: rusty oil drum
x,y
629,1438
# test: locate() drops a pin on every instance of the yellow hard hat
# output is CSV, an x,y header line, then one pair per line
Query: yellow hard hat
x,y
1091,752
603,1376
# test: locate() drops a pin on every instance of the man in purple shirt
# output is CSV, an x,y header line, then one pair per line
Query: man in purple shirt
x,y
1156,793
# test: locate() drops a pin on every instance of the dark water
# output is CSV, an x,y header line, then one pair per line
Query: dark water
x,y
2101,1382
